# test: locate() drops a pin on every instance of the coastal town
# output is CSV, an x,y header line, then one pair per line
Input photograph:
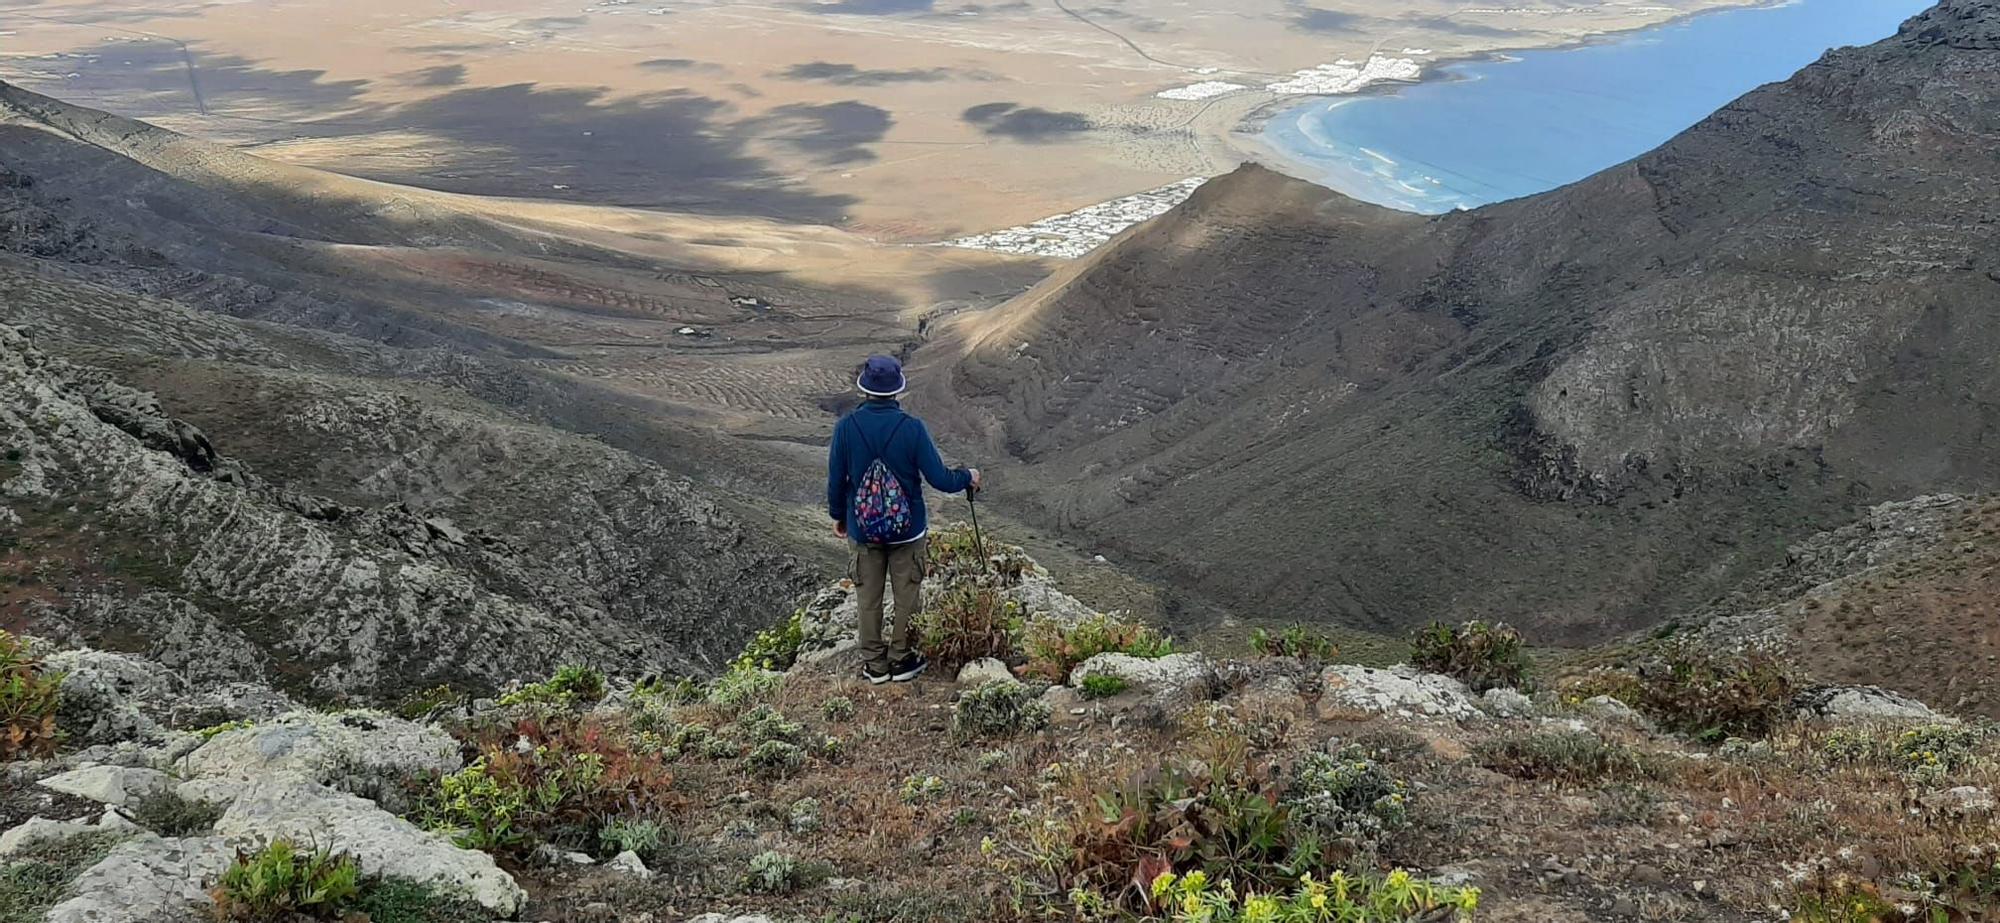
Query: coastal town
x,y
1071,235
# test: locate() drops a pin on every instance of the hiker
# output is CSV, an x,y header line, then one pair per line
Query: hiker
x,y
876,499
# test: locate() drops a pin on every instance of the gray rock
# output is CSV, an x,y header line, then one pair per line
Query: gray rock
x,y
107,698
297,808
1965,801
980,672
114,785
1402,691
1863,703
37,830
1611,709
628,862
366,753
1508,703
147,879
1178,679
719,918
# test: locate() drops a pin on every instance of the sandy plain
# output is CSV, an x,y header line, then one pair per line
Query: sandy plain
x,y
896,120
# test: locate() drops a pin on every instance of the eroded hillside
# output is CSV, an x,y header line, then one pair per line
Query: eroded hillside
x,y
1584,410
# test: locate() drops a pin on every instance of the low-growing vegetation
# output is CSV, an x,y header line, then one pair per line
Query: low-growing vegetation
x,y
968,622
28,700
1296,641
1397,897
553,781
284,881
572,686
1054,647
38,876
1001,708
168,814
1706,694
1102,686
1565,756
1481,655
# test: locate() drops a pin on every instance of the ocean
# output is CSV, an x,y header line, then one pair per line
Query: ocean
x,y
1530,121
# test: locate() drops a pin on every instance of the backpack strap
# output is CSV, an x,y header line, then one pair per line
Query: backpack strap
x,y
885,445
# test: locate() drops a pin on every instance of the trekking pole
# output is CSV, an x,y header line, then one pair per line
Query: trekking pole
x,y
978,542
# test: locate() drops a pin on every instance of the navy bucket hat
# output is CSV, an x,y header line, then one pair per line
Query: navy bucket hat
x,y
881,376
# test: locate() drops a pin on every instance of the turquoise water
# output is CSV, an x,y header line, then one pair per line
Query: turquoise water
x,y
1532,121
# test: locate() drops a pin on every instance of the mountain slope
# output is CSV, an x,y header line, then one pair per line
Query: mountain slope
x,y
1581,410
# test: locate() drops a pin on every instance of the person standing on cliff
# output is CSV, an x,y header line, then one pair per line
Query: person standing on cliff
x,y
876,499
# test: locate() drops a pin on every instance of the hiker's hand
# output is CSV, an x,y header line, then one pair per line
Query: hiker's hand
x,y
978,481
840,528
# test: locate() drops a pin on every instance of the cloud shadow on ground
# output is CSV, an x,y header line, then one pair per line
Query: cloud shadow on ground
x,y
1031,124
849,75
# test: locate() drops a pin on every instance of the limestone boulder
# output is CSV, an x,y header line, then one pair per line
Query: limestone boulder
x,y
148,879
1402,691
1862,704
1177,679
113,785
980,672
365,753
303,811
39,830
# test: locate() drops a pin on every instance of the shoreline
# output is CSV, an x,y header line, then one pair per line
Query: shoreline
x,y
1246,135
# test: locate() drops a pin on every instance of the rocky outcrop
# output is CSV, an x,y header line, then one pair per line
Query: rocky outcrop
x,y
1402,692
147,879
222,573
295,808
112,785
1174,680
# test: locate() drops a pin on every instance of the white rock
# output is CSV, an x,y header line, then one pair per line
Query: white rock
x,y
37,830
338,749
147,879
1868,703
299,809
629,863
1612,709
1963,801
1173,679
117,823
1402,691
114,785
980,672
106,697
719,918
1508,703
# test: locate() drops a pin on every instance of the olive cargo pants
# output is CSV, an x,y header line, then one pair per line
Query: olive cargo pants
x,y
900,570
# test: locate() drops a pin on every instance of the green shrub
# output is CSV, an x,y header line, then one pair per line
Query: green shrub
x,y
571,775
1102,686
1481,655
994,759
1054,647
28,700
1626,803
38,876
1706,694
920,790
774,649
838,708
1349,799
741,686
168,814
968,622
217,730
678,691
954,559
571,686
1393,898
282,880
1565,756
394,900
777,758
420,704
1000,708
774,873
1223,812
1928,752
764,724
805,816
1294,641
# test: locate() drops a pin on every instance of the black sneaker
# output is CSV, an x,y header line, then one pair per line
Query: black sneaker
x,y
876,676
909,668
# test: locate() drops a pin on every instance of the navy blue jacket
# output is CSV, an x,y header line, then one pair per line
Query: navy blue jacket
x,y
909,454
